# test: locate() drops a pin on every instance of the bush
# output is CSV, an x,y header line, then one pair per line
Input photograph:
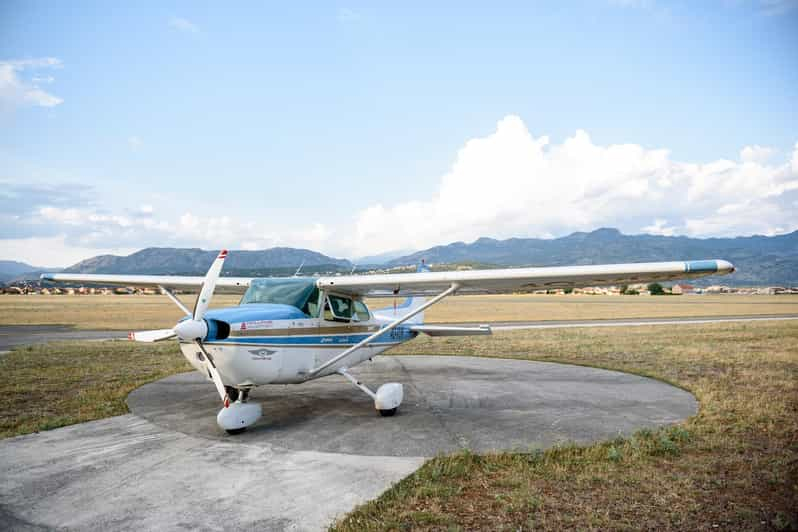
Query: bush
x,y
656,289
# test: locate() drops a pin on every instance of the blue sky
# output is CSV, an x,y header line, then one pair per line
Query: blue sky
x,y
359,128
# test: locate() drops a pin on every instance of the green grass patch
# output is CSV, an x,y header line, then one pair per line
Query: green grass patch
x,y
50,386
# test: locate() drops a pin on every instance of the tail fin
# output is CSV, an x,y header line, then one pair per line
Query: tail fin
x,y
408,304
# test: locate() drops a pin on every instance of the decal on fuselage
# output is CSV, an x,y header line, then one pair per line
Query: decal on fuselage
x,y
262,354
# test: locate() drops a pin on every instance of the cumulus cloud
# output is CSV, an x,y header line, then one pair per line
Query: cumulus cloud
x,y
508,183
184,25
511,183
21,86
755,154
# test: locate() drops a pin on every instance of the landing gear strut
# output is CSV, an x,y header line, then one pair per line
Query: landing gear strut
x,y
388,397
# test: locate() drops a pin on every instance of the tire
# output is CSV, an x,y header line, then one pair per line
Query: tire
x,y
388,413
233,432
232,393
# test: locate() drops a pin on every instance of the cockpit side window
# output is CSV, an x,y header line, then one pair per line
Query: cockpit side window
x,y
361,312
338,308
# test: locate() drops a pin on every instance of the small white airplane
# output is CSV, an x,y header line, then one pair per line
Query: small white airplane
x,y
295,329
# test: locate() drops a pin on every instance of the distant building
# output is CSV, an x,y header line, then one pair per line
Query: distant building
x,y
682,288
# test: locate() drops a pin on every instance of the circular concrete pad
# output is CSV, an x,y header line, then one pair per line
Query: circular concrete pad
x,y
450,403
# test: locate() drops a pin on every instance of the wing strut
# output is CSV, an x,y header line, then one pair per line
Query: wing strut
x,y
364,343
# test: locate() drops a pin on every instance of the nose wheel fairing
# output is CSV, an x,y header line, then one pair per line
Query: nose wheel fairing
x,y
238,416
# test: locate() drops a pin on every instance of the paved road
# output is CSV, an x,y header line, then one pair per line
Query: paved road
x,y
14,335
319,450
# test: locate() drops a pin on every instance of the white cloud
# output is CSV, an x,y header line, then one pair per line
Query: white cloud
x,y
510,183
17,91
659,227
184,25
54,251
756,154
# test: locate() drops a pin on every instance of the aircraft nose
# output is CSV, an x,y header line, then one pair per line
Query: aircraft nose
x,y
725,266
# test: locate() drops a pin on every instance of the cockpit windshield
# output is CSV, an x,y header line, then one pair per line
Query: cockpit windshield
x,y
297,292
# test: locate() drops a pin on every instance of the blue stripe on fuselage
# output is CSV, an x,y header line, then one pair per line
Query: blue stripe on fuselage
x,y
397,335
701,266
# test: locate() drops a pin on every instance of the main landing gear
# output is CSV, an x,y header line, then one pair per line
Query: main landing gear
x,y
388,397
237,414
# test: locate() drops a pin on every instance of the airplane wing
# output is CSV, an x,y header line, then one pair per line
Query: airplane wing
x,y
519,279
235,284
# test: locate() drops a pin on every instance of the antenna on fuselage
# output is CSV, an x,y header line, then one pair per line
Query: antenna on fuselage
x,y
296,273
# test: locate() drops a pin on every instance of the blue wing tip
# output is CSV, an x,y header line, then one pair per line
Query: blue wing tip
x,y
708,266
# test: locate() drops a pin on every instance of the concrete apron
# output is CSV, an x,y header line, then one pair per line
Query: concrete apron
x,y
319,450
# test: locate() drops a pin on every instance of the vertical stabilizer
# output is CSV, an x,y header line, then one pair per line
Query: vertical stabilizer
x,y
406,306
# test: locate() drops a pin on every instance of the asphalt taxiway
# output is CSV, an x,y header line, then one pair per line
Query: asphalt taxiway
x,y
16,335
319,450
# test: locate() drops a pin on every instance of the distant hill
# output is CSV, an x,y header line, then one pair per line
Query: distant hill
x,y
11,270
381,258
760,260
193,261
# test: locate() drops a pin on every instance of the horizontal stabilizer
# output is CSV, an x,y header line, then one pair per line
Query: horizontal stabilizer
x,y
451,330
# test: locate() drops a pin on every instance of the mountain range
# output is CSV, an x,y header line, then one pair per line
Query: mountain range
x,y
760,260
11,270
194,261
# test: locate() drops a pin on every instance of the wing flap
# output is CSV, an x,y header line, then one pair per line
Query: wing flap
x,y
452,330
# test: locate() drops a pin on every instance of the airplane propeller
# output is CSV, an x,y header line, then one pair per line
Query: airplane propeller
x,y
195,328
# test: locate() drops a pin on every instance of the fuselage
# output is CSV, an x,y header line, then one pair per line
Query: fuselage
x,y
259,343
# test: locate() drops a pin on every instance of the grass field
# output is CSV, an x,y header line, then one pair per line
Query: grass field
x,y
49,386
732,466
155,312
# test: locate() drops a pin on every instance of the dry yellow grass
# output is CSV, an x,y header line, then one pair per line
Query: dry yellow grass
x,y
129,312
733,466
582,307
151,312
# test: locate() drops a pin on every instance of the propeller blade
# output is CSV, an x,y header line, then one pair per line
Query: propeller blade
x,y
217,379
151,336
206,292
